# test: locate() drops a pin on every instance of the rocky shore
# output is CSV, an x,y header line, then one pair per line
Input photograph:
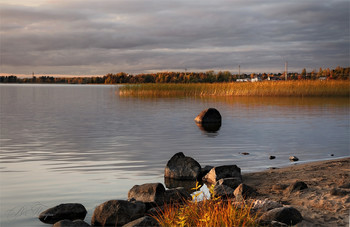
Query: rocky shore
x,y
325,201
312,194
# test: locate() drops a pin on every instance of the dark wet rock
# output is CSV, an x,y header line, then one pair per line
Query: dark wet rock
x,y
173,183
152,193
204,171
296,186
232,182
244,191
143,221
223,191
69,211
182,167
221,172
208,116
209,120
265,205
293,158
69,223
117,212
339,192
272,157
176,195
286,215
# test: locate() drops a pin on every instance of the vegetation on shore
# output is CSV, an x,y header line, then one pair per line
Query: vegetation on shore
x,y
305,88
339,73
207,212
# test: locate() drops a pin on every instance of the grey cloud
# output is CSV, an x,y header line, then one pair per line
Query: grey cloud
x,y
139,35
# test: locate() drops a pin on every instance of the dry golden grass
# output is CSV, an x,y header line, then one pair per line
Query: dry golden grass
x,y
306,88
207,212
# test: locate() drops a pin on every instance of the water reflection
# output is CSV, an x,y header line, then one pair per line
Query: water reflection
x,y
209,127
186,184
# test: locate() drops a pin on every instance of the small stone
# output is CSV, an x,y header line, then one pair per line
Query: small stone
x,y
244,191
339,192
272,157
279,187
265,205
286,215
296,186
293,158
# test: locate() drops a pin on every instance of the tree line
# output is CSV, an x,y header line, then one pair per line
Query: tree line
x,y
339,73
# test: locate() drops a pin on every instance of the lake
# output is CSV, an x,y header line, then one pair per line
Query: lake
x,y
86,144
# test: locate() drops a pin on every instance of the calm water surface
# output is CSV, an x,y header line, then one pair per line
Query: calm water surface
x,y
85,144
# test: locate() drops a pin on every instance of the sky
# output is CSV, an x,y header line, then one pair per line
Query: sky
x,y
96,37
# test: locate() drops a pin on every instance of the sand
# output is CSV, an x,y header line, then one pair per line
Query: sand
x,y
326,201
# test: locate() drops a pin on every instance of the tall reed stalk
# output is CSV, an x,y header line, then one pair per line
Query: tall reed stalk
x,y
305,88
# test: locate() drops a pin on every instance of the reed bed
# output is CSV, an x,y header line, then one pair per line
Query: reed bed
x,y
306,88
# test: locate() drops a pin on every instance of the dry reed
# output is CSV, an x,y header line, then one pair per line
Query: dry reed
x,y
306,88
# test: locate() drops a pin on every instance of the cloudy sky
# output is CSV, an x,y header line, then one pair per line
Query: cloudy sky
x,y
96,37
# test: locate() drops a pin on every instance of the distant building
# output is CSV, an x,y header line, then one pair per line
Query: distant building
x,y
243,80
255,79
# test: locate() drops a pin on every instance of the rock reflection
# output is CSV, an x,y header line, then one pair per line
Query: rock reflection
x,y
188,185
209,127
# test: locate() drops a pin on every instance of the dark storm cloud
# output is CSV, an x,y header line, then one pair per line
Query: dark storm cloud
x,y
136,36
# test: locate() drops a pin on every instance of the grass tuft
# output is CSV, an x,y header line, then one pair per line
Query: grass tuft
x,y
207,212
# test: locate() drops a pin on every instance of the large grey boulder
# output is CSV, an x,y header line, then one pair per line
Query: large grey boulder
x,y
220,172
69,223
151,193
286,215
209,116
182,167
117,212
69,211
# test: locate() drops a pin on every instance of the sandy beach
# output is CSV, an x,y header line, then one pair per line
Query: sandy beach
x,y
326,201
